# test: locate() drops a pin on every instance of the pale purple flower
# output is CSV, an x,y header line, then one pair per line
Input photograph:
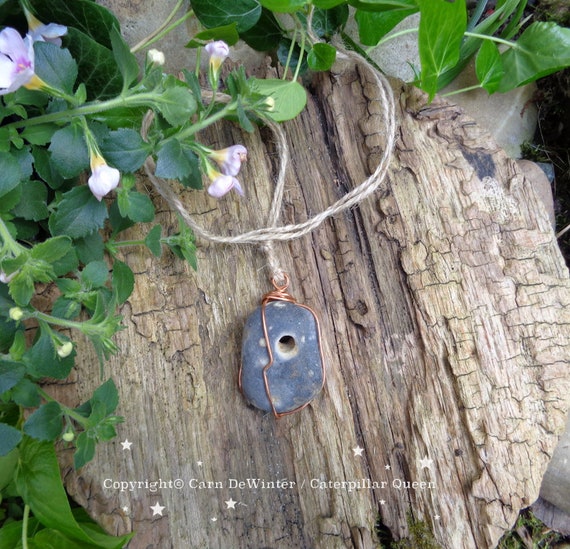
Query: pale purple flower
x,y
223,184
51,32
218,51
230,159
16,60
103,178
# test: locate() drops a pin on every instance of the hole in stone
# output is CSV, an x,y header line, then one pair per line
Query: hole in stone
x,y
287,345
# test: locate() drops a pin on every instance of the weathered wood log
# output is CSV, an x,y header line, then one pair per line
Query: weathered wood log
x,y
444,308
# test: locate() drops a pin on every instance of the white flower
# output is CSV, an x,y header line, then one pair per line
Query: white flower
x,y
223,184
103,178
230,159
16,60
218,51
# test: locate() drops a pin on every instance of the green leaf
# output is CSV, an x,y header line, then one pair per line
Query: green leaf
x,y
327,23
90,18
69,151
152,240
52,249
40,134
227,33
321,57
265,34
290,97
543,48
245,13
11,173
45,169
126,61
96,64
442,25
34,208
25,393
125,149
55,66
90,248
43,361
385,5
284,6
327,4
10,374
177,105
374,25
95,274
135,206
85,450
38,481
78,214
489,66
175,161
8,463
123,281
45,423
9,438
107,395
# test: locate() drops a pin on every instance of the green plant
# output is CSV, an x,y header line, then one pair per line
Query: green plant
x,y
529,532
73,102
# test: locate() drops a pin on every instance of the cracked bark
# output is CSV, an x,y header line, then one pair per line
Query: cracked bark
x,y
444,308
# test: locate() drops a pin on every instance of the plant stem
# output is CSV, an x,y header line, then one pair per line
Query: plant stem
x,y
25,526
389,37
142,99
462,90
198,126
164,29
67,411
492,38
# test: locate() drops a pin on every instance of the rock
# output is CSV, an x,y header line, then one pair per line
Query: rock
x,y
296,375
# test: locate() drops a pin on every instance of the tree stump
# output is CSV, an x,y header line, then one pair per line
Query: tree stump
x,y
444,306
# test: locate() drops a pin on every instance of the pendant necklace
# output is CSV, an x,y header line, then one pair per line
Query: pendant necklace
x,y
282,368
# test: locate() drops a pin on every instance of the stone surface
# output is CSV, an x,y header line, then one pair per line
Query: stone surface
x,y
296,375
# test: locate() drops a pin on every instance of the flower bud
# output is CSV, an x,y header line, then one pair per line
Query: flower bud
x,y
64,350
218,51
156,57
16,313
4,278
68,436
103,178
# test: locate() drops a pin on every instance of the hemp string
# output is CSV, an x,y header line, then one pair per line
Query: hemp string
x,y
264,237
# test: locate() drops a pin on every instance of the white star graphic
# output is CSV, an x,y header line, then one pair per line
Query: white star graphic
x,y
358,451
231,503
426,463
125,509
382,502
213,519
157,509
126,444
387,467
199,463
436,517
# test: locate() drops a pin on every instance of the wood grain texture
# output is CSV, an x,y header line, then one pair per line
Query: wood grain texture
x,y
444,307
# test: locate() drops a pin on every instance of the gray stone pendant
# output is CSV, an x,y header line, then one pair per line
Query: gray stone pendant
x,y
282,366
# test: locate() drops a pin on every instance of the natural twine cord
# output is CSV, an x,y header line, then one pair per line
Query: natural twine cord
x,y
264,237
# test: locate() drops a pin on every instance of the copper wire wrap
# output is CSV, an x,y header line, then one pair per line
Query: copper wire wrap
x,y
279,293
